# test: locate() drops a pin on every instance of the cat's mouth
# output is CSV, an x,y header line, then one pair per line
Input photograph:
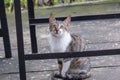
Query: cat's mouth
x,y
56,35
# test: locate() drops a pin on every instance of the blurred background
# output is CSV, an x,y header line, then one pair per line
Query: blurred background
x,y
98,34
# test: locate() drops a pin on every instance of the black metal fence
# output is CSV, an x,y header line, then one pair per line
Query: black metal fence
x,y
4,30
23,57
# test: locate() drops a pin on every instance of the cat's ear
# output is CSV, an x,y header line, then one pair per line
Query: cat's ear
x,y
67,21
51,18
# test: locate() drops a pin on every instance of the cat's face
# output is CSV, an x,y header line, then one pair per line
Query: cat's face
x,y
58,28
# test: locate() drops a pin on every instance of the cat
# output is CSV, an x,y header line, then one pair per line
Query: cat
x,y
61,40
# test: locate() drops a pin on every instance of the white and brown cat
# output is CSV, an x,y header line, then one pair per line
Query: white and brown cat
x,y
62,41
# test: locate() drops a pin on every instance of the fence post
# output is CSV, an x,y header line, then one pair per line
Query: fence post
x,y
4,30
31,15
20,44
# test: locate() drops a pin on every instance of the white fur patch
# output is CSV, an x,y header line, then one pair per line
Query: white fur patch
x,y
60,43
65,67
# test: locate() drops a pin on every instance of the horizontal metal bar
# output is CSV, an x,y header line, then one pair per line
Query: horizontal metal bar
x,y
1,33
78,18
72,54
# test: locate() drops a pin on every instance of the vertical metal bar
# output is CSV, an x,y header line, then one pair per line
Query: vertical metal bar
x,y
20,41
1,32
32,27
4,26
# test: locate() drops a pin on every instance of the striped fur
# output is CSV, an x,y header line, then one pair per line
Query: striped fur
x,y
62,41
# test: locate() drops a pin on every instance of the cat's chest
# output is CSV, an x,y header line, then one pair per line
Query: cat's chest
x,y
60,44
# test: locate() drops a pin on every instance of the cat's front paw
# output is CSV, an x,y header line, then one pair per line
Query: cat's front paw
x,y
69,76
58,75
87,75
78,76
55,76
73,76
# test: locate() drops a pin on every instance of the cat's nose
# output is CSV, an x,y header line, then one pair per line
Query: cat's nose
x,y
57,32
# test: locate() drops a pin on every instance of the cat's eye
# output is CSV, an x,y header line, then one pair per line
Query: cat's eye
x,y
61,26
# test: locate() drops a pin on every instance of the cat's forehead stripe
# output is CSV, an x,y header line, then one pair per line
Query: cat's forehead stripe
x,y
58,24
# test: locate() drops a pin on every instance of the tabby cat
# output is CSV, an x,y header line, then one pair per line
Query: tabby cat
x,y
62,41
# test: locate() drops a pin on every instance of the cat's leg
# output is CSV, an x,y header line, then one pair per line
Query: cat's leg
x,y
82,72
60,66
57,73
65,66
85,69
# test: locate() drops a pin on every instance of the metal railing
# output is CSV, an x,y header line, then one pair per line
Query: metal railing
x,y
19,29
4,30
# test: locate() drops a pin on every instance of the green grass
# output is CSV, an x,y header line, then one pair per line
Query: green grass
x,y
76,10
104,7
